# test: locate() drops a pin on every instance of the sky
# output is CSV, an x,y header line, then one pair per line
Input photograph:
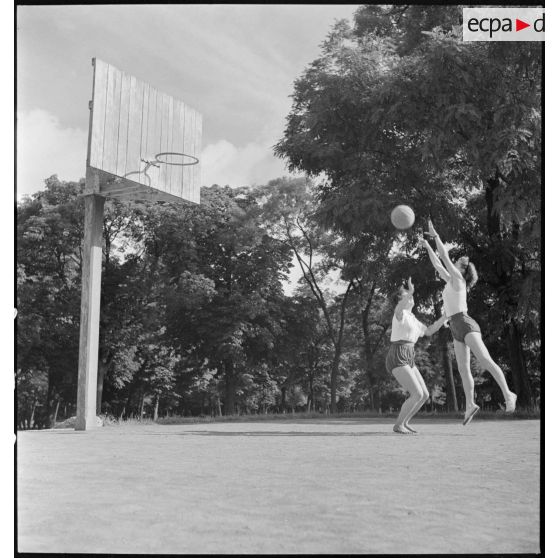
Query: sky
x,y
235,64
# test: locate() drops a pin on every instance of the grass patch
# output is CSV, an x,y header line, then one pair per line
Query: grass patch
x,y
520,414
110,421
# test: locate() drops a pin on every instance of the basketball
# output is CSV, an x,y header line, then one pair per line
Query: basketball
x,y
402,217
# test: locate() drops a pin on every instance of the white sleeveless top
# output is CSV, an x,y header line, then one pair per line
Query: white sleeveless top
x,y
454,301
408,329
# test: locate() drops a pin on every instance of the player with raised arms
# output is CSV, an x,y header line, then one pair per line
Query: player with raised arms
x,y
400,360
459,278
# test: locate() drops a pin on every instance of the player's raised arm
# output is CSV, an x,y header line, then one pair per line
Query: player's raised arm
x,y
443,251
403,296
435,260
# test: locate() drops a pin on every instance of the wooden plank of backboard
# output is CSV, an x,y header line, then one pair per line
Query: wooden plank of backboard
x,y
189,150
192,148
185,170
197,149
176,147
196,169
163,147
131,122
112,119
100,72
166,187
133,149
124,188
153,135
124,119
141,178
155,196
150,195
162,100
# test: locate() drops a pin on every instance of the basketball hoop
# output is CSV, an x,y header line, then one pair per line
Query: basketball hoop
x,y
188,160
167,159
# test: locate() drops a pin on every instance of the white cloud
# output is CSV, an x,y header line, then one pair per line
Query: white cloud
x,y
45,148
223,163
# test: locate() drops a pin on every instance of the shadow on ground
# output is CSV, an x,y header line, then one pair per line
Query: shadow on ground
x,y
290,433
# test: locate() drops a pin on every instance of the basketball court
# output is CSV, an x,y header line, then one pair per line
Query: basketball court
x,y
284,486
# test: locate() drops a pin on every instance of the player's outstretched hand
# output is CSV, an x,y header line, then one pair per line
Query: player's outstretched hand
x,y
410,285
423,242
431,229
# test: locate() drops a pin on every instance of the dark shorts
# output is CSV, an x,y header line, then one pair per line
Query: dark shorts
x,y
461,324
400,353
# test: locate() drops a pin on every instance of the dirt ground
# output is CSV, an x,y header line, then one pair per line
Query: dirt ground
x,y
300,486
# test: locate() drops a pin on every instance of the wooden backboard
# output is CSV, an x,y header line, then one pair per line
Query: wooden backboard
x,y
130,123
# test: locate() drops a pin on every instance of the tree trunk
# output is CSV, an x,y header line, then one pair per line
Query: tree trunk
x,y
338,349
370,394
334,376
367,345
512,332
46,416
492,216
520,377
32,417
156,409
451,395
128,404
283,399
101,373
219,413
56,412
142,403
310,400
230,389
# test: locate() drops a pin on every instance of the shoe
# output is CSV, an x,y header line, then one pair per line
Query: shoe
x,y
510,403
470,414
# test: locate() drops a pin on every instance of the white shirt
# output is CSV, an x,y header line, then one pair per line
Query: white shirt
x,y
454,301
408,329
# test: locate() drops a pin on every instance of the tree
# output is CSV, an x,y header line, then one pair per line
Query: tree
x,y
319,252
301,356
49,231
388,116
221,251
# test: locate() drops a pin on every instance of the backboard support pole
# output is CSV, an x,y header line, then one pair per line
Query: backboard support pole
x,y
86,414
143,144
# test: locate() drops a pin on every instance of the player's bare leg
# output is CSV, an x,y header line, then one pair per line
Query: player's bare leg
x,y
463,357
422,401
475,342
406,377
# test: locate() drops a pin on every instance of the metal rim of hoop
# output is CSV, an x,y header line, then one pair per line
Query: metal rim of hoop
x,y
194,161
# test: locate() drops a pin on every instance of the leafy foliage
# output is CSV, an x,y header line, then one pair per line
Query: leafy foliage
x,y
387,115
